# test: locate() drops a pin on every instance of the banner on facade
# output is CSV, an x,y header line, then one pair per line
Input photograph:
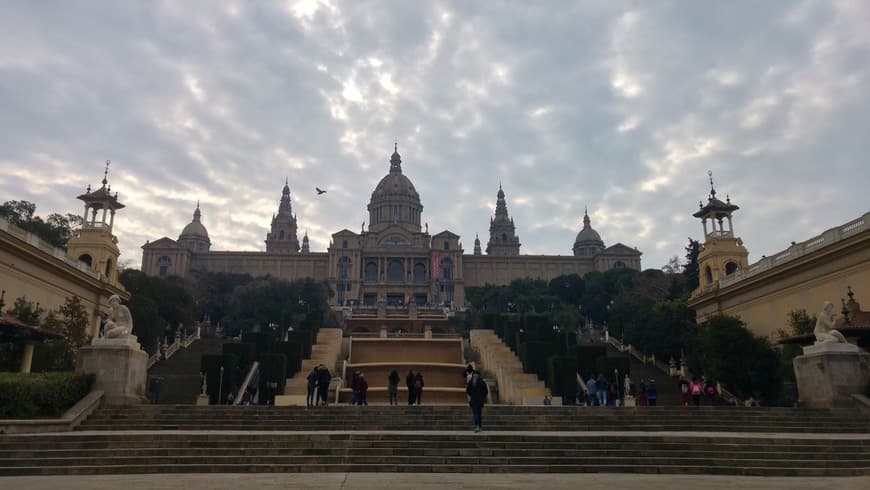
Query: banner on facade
x,y
436,265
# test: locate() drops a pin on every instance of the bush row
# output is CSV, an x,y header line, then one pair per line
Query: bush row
x,y
34,395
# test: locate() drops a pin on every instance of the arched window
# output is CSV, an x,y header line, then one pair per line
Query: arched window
x,y
446,269
371,272
504,237
446,245
281,235
708,274
395,271
619,264
108,267
731,268
343,268
87,259
419,272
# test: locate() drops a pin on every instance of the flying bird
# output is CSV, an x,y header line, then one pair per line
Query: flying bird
x,y
320,191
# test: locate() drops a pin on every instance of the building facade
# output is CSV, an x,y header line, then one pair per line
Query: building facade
x,y
803,276
396,260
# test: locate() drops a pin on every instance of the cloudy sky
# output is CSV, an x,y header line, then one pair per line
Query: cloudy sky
x,y
619,106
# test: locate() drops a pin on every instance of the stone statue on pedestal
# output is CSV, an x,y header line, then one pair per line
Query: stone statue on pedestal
x,y
824,330
119,323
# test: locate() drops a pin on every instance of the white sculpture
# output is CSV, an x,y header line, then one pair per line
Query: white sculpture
x,y
824,330
119,323
626,385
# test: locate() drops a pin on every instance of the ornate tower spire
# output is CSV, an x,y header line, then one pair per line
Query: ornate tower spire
x,y
502,232
282,236
396,160
477,250
305,248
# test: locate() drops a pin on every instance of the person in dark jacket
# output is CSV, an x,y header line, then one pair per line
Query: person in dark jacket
x,y
312,383
409,382
362,389
477,392
418,387
323,378
393,386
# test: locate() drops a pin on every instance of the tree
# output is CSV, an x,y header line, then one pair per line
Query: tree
x,y
70,321
56,229
568,288
691,270
673,266
726,351
799,323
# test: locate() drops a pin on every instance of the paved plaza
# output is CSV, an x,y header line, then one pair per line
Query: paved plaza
x,y
425,481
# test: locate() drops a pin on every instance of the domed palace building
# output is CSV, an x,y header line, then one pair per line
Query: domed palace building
x,y
396,261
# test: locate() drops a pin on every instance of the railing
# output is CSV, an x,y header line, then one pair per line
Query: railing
x,y
797,250
252,377
56,252
165,351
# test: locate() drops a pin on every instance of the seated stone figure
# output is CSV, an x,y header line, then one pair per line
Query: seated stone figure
x,y
824,330
119,323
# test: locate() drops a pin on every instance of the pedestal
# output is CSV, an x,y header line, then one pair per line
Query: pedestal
x,y
828,374
120,369
202,400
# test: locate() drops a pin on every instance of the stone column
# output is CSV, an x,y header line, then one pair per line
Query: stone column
x,y
27,358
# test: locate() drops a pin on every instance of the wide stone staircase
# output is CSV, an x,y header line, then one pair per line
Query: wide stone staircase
x,y
515,386
690,440
180,380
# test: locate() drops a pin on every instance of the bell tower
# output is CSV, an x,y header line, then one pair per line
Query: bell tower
x,y
722,253
93,243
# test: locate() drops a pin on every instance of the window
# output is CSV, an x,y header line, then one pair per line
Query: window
x,y
343,267
344,244
87,259
281,235
164,270
371,272
708,274
731,268
446,269
108,267
395,271
446,245
504,237
619,264
419,272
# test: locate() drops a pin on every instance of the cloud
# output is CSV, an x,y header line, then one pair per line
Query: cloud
x,y
621,107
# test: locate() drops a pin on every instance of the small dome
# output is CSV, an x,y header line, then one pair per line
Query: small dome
x,y
195,227
395,185
588,236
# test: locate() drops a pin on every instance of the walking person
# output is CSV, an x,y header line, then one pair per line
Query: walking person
x,y
477,392
418,387
312,384
683,385
652,393
393,386
409,382
354,378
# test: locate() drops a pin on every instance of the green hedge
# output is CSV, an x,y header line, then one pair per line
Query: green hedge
x,y
587,358
264,341
211,365
24,396
562,377
272,377
246,352
303,337
292,351
535,358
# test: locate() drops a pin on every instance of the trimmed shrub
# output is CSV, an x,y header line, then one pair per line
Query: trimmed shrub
x,y
512,327
303,337
24,396
211,365
292,351
264,341
562,377
538,326
272,377
587,358
535,359
246,352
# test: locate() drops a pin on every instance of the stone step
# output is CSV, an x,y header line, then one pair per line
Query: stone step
x,y
439,452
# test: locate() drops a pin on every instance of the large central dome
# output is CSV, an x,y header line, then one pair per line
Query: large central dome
x,y
395,200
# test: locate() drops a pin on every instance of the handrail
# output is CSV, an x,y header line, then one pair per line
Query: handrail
x,y
252,373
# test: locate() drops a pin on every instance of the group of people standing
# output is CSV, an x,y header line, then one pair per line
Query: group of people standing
x,y
318,385
414,382
599,391
695,390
